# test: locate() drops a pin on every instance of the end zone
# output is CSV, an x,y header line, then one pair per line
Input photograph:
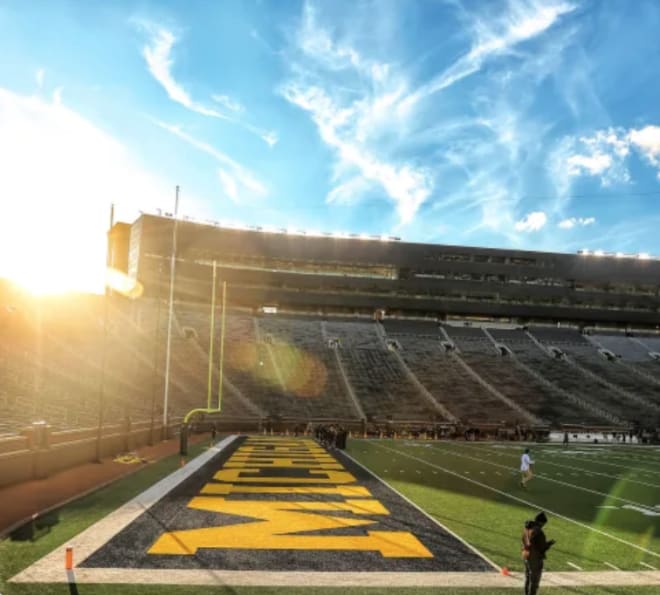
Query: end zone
x,y
264,511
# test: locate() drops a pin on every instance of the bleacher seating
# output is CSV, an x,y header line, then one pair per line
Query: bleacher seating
x,y
558,336
469,339
282,366
550,406
623,347
308,366
570,379
382,386
447,381
588,357
354,335
410,327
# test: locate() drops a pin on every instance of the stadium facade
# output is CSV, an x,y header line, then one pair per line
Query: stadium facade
x,y
365,275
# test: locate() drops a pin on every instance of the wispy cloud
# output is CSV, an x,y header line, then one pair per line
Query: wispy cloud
x,y
237,181
495,36
572,222
531,222
350,117
368,111
228,102
229,185
347,192
39,77
407,185
158,56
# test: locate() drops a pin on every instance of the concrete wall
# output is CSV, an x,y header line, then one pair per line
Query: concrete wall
x,y
23,458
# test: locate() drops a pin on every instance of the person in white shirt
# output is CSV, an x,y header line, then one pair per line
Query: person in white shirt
x,y
526,468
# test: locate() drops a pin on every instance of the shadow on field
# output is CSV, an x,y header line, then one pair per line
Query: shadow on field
x,y
621,496
73,586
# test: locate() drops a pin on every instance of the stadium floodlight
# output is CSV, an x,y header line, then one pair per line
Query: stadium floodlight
x,y
364,236
585,251
384,238
619,255
644,256
598,253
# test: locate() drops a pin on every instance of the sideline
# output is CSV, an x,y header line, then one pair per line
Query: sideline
x,y
624,478
20,505
539,476
51,569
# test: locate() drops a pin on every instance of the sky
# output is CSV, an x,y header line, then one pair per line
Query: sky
x,y
529,124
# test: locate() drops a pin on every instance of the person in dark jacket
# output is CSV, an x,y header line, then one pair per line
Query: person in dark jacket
x,y
534,547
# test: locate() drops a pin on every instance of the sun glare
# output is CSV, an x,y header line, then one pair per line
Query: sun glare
x,y
52,281
55,259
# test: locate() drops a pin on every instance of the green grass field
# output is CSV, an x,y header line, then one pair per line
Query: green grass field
x,y
604,500
470,488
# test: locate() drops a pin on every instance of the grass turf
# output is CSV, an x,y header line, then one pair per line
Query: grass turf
x,y
473,489
488,520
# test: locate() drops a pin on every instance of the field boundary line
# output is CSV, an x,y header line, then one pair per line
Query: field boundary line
x,y
621,458
526,502
588,471
89,540
426,514
585,457
559,481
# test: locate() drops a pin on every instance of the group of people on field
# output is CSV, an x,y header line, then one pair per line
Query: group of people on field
x,y
332,436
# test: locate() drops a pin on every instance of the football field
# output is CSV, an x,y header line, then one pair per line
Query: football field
x,y
280,515
603,502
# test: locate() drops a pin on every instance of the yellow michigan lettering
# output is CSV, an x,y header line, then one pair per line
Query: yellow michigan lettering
x,y
229,488
279,524
286,463
250,476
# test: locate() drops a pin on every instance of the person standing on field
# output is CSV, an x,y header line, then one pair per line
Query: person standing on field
x,y
526,468
534,547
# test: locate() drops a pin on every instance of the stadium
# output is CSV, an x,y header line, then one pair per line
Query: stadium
x,y
229,355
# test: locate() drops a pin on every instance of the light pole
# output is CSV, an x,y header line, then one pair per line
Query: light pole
x,y
154,381
104,347
170,317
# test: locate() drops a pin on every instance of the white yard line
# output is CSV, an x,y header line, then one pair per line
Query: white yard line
x,y
574,565
591,459
611,566
426,514
523,501
648,566
546,477
586,472
605,450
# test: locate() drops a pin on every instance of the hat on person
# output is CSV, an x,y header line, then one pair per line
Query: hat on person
x,y
541,519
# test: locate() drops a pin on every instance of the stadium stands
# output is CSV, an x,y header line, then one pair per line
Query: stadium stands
x,y
622,346
447,381
573,379
307,368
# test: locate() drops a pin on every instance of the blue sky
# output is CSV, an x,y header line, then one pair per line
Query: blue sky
x,y
507,123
